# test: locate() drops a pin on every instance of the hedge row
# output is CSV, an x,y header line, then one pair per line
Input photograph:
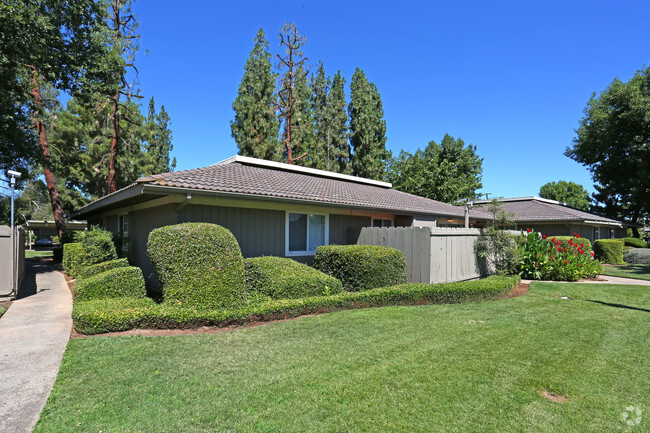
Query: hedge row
x,y
114,283
634,242
199,265
609,251
637,256
362,267
121,314
98,268
281,278
97,244
73,258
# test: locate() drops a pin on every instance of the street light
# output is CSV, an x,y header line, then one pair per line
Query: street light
x,y
14,269
14,175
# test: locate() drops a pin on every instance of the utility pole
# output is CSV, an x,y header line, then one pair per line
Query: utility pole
x,y
14,269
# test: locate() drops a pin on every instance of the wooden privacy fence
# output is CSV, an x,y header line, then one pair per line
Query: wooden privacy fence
x,y
12,260
433,254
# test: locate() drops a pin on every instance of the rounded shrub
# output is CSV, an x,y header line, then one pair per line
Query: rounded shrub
x,y
114,283
637,256
73,258
362,267
98,268
198,264
98,245
609,251
635,243
564,240
280,278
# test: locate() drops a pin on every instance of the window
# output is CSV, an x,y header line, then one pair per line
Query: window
x,y
376,222
123,231
305,233
596,233
612,235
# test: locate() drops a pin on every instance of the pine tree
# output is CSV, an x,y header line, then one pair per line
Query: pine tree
x,y
303,137
338,148
255,127
318,154
158,142
367,128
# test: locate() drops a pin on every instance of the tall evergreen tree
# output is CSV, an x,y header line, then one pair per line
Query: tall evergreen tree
x,y
158,141
367,128
318,155
303,137
338,148
255,127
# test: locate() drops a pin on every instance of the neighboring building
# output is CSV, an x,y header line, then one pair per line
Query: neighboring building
x,y
271,208
48,228
554,218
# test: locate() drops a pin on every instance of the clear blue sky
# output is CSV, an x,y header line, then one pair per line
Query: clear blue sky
x,y
512,78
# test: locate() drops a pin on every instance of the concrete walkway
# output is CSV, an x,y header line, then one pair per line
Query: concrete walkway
x,y
33,335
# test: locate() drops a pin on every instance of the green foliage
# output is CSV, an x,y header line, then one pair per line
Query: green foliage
x,y
280,278
121,314
571,193
612,141
609,251
495,247
98,268
73,258
255,127
585,244
634,242
367,128
67,237
198,264
446,172
637,256
97,244
362,267
303,136
114,283
157,142
335,120
554,259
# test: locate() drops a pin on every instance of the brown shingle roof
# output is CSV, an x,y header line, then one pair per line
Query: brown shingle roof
x,y
536,209
245,176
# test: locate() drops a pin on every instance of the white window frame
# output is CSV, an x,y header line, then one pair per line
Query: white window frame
x,y
288,253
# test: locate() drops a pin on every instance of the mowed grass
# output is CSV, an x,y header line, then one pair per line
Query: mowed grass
x,y
455,368
32,254
641,272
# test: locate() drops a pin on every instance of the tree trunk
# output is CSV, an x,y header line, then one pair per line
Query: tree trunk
x,y
50,180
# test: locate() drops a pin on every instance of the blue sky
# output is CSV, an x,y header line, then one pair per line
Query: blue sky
x,y
511,78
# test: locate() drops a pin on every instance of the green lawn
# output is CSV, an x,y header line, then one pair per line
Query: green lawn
x,y
455,368
641,272
32,254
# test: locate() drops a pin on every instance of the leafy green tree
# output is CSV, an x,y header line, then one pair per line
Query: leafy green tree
x,y
255,127
612,141
338,147
317,155
54,44
367,128
446,172
495,247
567,192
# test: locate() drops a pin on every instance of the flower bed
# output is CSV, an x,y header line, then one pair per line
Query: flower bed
x,y
556,259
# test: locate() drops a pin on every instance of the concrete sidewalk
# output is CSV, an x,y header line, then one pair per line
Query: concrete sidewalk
x,y
34,333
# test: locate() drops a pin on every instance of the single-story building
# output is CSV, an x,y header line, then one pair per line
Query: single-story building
x,y
271,208
48,228
554,218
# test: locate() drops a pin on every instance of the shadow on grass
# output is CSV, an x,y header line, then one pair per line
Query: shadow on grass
x,y
627,307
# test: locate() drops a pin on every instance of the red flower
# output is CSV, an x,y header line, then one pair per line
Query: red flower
x,y
544,237
578,236
553,239
566,262
570,243
551,257
529,230
539,255
592,253
566,251
578,264
582,245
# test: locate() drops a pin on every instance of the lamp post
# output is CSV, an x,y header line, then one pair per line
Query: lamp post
x,y
14,274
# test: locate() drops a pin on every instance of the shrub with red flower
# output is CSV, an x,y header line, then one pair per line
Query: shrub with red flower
x,y
548,259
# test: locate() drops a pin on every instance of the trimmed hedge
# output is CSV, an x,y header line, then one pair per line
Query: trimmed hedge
x,y
92,270
114,283
73,258
67,237
634,242
198,264
98,245
579,241
609,251
121,314
282,278
637,256
362,267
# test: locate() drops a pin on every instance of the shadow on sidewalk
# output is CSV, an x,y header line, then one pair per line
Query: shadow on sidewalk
x,y
32,268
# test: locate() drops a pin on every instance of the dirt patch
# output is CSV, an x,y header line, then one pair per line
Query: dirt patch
x,y
519,290
556,398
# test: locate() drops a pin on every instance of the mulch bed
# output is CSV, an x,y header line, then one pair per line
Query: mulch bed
x,y
519,290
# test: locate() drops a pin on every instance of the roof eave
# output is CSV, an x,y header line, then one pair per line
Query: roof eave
x,y
123,194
